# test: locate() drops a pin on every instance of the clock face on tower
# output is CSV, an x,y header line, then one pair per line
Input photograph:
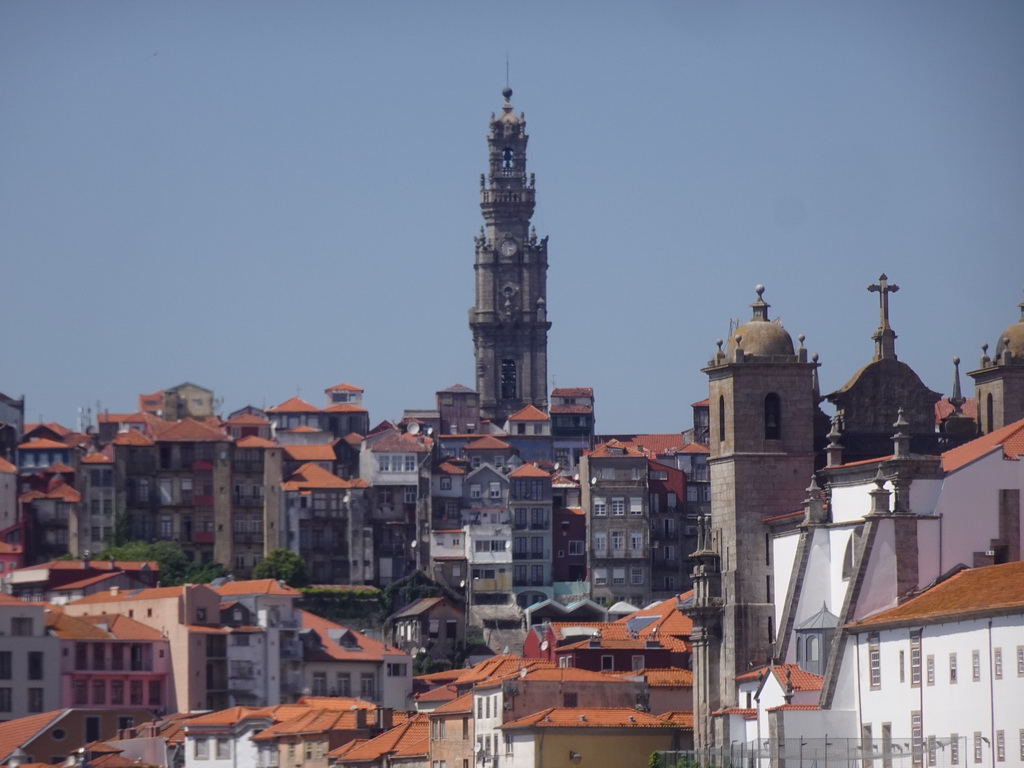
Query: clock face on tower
x,y
508,248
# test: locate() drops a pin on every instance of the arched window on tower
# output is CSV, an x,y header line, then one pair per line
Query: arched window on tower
x,y
989,411
721,418
508,157
772,417
508,379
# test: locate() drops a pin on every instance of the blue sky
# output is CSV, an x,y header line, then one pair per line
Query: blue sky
x,y
270,198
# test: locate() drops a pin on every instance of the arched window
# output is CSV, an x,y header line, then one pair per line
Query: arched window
x,y
848,559
772,417
721,418
508,379
989,411
812,648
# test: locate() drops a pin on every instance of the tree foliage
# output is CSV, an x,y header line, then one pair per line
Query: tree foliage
x,y
283,565
175,568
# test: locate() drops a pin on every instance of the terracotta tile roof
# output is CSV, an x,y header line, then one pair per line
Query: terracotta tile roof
x,y
670,621
572,392
944,409
705,402
615,449
463,703
154,593
312,476
131,437
250,419
62,492
345,408
441,693
9,549
672,644
488,443
294,405
746,713
14,733
7,468
652,443
1010,438
229,716
256,587
499,667
317,452
802,680
695,448
191,431
588,717
60,468
98,565
529,413
668,677
96,458
557,675
343,387
529,470
793,707
42,443
409,739
678,718
354,439
447,468
303,429
397,442
252,441
362,647
440,678
571,409
786,516
83,583
53,426
118,418
335,702
313,721
972,591
109,626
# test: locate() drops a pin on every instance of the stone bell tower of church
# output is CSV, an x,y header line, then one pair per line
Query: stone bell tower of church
x,y
509,321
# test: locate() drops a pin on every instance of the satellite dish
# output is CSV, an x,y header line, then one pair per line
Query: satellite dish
x,y
544,645
593,481
522,672
462,584
557,466
413,428
430,431
413,544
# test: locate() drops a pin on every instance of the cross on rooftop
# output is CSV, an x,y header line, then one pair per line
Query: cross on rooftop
x,y
883,289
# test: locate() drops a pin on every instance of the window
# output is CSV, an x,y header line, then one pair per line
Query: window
x,y
721,418
367,685
916,740
410,494
636,505
600,576
952,669
975,666
319,683
637,662
135,692
600,542
576,547
618,541
915,659
35,665
607,663
636,542
636,576
5,665
474,491
117,691
5,700
772,417
397,670
1000,746
201,749
343,684
80,692
977,747
446,483
600,510
997,663
618,506
875,660
1020,661
954,749
508,367
618,576
99,691
570,700
35,700
21,626
223,749
495,490
930,663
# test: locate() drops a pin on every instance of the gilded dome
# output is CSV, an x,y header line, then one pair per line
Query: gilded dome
x,y
760,336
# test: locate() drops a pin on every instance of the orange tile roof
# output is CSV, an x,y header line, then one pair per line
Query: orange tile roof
x,y
499,667
556,675
335,702
802,680
53,426
409,739
7,468
154,593
131,437
312,476
14,733
98,565
316,452
612,448
588,717
529,413
463,703
667,677
671,621
302,429
678,718
973,591
59,468
345,408
252,441
75,585
706,401
97,458
364,647
189,430
793,707
530,470
944,409
294,405
572,392
1010,438
447,468
397,442
441,693
313,721
42,443
229,716
344,387
488,443
104,626
256,587
695,448
655,443
571,409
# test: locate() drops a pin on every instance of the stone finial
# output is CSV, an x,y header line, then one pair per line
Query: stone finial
x,y
901,440
985,359
760,306
834,450
957,399
738,352
879,495
788,695
815,508
815,384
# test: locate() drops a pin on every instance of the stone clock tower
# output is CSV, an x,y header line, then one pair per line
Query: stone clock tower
x,y
509,321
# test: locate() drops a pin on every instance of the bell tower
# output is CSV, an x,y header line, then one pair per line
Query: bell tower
x,y
509,321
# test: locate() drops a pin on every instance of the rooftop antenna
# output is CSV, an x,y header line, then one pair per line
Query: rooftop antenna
x,y
506,69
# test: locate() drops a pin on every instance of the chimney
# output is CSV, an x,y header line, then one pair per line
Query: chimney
x,y
114,591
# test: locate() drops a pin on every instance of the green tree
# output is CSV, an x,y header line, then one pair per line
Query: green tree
x,y
283,565
175,568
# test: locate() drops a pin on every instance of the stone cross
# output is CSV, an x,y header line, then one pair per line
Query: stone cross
x,y
883,289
